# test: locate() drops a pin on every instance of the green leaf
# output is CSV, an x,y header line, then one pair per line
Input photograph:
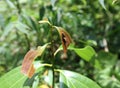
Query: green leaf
x,y
22,27
2,20
53,2
91,42
3,6
106,59
13,79
85,53
9,27
41,12
10,4
107,64
102,4
45,21
69,79
36,82
30,22
49,78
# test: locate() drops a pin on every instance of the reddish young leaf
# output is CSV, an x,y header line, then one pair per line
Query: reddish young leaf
x,y
27,64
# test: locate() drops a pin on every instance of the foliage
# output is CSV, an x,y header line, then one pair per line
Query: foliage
x,y
89,24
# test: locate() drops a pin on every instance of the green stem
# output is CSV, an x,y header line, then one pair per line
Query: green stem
x,y
28,42
48,65
53,81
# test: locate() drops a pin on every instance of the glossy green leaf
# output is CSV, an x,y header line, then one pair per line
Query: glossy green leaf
x,y
49,78
36,82
13,79
85,53
91,42
69,79
102,4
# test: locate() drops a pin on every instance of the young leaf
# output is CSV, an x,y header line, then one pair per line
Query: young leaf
x,y
27,65
65,38
45,21
114,1
102,4
69,79
85,53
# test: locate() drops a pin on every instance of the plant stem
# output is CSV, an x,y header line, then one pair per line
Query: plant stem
x,y
53,81
28,42
52,57
49,65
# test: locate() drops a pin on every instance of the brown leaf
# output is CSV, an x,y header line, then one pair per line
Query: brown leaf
x,y
27,64
65,38
31,71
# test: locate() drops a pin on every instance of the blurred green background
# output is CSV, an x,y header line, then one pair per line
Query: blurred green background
x,y
87,22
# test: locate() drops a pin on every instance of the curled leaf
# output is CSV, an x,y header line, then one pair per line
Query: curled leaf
x,y
27,64
45,20
65,38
